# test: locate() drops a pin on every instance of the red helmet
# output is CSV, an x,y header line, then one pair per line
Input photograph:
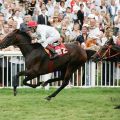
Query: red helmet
x,y
32,24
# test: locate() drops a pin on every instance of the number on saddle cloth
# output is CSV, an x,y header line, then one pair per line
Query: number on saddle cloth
x,y
59,48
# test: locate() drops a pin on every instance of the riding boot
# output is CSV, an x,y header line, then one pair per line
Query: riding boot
x,y
52,51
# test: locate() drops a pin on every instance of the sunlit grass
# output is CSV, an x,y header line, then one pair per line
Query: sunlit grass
x,y
70,104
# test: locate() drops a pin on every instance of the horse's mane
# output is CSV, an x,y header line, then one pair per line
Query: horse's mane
x,y
25,34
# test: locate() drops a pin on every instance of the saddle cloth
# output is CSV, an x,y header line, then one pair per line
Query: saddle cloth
x,y
59,48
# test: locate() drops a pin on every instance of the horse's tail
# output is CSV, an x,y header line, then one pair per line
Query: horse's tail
x,y
90,53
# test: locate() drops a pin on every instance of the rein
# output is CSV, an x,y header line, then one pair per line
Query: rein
x,y
107,51
112,56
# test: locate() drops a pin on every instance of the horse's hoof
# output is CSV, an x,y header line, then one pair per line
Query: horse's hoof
x,y
117,107
15,93
34,86
48,98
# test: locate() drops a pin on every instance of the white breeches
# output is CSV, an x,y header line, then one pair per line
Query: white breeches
x,y
50,40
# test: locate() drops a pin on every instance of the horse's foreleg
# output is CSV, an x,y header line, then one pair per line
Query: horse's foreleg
x,y
67,76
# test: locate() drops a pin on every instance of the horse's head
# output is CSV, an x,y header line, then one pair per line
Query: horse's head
x,y
102,53
15,38
107,52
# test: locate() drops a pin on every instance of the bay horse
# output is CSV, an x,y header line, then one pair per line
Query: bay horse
x,y
37,61
108,52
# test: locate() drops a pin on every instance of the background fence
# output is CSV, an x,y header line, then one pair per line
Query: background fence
x,y
102,74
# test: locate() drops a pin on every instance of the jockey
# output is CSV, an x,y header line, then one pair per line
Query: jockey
x,y
46,35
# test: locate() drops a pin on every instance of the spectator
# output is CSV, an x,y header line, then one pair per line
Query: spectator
x,y
1,23
56,8
56,22
68,23
94,31
23,26
62,7
87,10
107,36
17,18
15,25
50,8
8,14
35,15
43,18
112,9
80,15
117,23
75,32
31,7
68,13
22,10
11,23
104,20
75,10
82,38
5,8
102,7
27,4
5,29
63,34
60,17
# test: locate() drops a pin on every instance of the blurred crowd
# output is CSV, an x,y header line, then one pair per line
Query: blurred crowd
x,y
90,22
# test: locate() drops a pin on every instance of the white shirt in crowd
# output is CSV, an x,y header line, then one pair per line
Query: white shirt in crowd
x,y
113,10
19,20
95,33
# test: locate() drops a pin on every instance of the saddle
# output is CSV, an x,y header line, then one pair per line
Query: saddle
x,y
57,48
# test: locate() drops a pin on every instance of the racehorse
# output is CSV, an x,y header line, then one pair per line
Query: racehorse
x,y
37,60
108,52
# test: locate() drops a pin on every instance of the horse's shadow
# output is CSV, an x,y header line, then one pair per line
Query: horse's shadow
x,y
117,107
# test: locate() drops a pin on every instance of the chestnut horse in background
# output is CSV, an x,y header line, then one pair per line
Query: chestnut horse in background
x,y
37,60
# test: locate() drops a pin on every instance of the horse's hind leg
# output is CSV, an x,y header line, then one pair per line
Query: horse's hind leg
x,y
54,79
51,80
28,77
16,81
15,84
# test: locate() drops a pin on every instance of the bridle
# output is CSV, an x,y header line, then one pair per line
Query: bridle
x,y
104,56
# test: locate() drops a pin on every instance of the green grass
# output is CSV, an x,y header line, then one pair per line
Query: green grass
x,y
70,104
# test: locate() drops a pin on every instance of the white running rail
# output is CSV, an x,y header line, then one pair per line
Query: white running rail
x,y
102,74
